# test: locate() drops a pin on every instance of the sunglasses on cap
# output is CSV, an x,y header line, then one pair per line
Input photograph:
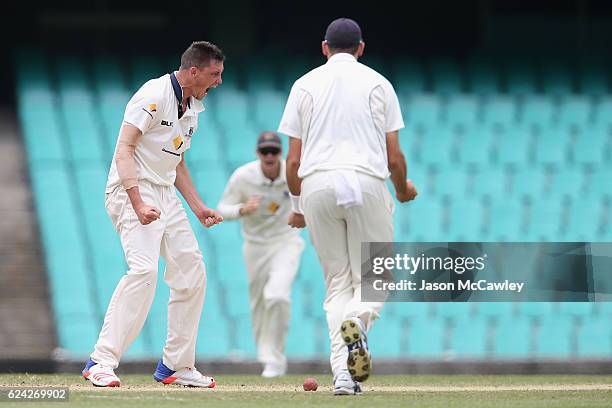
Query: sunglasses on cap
x,y
269,150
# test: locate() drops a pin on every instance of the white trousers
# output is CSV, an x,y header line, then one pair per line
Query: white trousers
x,y
271,270
337,234
172,237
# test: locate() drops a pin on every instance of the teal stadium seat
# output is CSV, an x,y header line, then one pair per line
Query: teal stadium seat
x,y
409,78
512,337
424,221
437,147
538,112
583,310
513,147
496,310
462,111
556,77
520,78
427,338
593,78
506,220
476,147
499,111
575,112
294,68
388,337
554,337
206,147
261,76
595,338
598,182
586,220
465,220
603,112
528,182
85,143
230,106
423,110
455,310
108,74
547,218
213,332
411,310
469,337
111,107
268,108
552,147
482,76
492,183
591,147
450,183
143,68
565,181
446,76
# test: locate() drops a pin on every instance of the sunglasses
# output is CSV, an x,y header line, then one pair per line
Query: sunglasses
x,y
269,150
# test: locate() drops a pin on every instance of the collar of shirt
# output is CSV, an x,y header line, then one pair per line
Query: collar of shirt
x,y
342,57
193,104
264,180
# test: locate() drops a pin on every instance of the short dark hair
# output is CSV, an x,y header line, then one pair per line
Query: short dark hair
x,y
200,53
351,50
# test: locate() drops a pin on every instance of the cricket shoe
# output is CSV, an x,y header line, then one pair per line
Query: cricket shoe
x,y
345,385
100,375
189,377
272,370
359,361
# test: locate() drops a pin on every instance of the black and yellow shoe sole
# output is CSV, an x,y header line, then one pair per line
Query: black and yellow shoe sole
x,y
359,362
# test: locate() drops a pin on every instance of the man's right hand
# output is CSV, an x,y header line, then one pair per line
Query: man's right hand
x,y
408,194
147,214
250,206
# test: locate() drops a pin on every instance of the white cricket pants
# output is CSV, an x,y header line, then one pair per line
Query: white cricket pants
x,y
271,269
172,237
337,234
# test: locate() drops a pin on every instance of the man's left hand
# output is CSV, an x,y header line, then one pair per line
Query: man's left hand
x,y
209,217
296,220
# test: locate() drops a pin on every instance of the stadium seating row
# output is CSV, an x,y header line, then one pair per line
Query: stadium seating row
x,y
512,153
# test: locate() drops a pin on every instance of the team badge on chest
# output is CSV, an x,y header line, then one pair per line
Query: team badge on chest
x,y
178,142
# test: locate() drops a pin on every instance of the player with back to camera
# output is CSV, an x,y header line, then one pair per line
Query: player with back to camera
x,y
141,200
257,194
343,120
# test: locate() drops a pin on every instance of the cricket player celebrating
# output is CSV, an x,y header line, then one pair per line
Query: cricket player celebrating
x,y
257,194
142,203
343,120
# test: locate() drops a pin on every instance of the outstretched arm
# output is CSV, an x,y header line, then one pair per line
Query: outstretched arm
x,y
207,216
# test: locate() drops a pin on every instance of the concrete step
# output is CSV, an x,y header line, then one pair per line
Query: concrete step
x,y
26,322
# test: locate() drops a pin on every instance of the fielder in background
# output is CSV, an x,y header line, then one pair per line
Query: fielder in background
x,y
257,194
142,203
343,120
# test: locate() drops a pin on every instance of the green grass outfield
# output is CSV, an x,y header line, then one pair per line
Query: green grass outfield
x,y
380,391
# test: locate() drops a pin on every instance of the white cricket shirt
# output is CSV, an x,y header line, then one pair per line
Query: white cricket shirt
x,y
154,110
269,222
341,111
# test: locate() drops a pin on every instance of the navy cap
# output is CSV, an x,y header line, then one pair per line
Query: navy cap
x,y
269,139
343,33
